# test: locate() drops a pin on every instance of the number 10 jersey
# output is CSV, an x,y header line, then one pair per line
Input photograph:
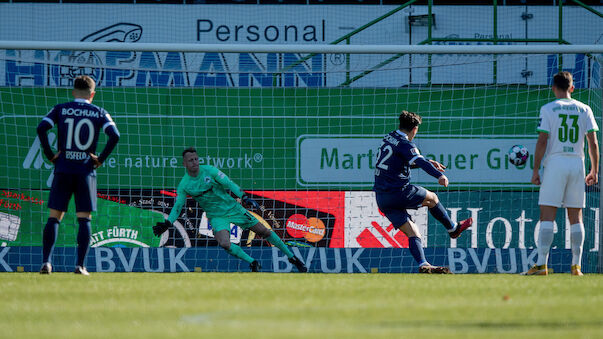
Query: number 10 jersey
x,y
78,123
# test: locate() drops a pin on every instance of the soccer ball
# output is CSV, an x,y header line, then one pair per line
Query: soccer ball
x,y
518,155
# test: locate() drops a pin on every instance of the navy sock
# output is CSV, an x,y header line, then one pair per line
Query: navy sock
x,y
49,237
416,249
83,240
439,212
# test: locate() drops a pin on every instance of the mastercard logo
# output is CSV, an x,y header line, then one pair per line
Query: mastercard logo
x,y
312,229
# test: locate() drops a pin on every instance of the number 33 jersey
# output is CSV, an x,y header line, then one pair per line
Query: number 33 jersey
x,y
566,121
79,124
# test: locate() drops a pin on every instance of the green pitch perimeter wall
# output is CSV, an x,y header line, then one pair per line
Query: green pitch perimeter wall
x,y
252,132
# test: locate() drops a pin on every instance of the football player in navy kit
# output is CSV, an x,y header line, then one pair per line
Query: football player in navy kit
x,y
78,125
395,194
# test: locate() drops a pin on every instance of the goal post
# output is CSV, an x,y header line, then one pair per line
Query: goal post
x,y
297,127
300,49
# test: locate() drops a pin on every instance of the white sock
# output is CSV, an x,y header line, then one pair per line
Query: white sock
x,y
545,239
577,240
456,224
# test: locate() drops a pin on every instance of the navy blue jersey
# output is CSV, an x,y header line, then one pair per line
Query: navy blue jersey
x,y
395,157
79,124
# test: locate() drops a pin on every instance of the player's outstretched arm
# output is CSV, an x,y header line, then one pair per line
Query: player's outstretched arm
x,y
593,152
161,227
225,181
443,180
437,165
428,167
250,202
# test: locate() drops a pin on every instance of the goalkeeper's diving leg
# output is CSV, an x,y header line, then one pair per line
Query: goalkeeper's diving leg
x,y
272,238
223,238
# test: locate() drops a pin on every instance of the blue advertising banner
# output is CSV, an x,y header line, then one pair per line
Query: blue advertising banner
x,y
318,260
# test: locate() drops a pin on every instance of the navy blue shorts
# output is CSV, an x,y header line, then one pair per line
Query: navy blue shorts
x,y
82,187
394,204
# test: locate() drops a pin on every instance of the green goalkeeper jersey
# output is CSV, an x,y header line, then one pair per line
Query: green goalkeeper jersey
x,y
210,189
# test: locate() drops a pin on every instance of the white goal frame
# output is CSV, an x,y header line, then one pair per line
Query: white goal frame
x,y
297,48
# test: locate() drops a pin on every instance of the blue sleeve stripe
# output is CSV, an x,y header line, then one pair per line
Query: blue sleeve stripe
x,y
111,123
412,161
48,120
107,124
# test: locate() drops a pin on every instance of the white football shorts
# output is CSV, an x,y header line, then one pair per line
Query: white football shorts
x,y
562,183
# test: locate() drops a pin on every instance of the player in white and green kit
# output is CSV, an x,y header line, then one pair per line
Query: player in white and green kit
x,y
564,124
210,188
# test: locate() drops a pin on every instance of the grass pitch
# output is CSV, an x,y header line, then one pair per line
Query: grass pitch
x,y
266,305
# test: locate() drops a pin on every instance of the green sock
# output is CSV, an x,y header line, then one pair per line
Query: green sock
x,y
236,251
276,241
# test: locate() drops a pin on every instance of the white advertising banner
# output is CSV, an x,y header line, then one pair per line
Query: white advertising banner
x,y
291,24
471,161
365,226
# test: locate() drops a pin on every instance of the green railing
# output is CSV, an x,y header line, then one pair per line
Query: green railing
x,y
346,38
430,39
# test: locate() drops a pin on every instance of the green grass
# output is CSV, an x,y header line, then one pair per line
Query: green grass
x,y
246,305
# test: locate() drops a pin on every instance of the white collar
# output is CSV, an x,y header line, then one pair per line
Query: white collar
x,y
402,134
81,100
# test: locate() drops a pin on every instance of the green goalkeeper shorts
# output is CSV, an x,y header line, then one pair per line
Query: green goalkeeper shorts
x,y
238,216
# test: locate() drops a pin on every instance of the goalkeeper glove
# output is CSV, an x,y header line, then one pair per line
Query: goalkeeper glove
x,y
250,202
161,227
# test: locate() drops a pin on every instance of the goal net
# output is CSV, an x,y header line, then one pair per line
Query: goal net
x,y
298,132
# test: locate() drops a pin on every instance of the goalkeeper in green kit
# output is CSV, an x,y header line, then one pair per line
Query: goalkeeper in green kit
x,y
209,187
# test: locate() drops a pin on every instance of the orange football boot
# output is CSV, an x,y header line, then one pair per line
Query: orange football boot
x,y
576,270
537,270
